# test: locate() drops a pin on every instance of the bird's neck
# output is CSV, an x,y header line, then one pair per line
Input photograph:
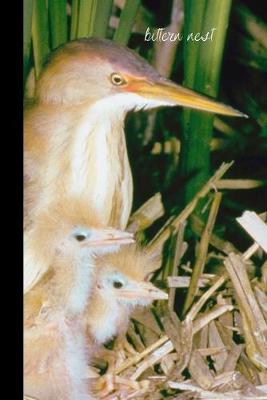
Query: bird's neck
x,y
99,166
105,318
97,145
87,158
73,282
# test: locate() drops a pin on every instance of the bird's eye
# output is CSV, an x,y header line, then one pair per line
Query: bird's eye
x,y
117,79
80,237
117,284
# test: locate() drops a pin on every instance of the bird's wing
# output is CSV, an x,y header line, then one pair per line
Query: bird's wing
x,y
32,275
34,267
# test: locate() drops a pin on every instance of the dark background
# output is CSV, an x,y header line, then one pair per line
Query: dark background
x,y
244,86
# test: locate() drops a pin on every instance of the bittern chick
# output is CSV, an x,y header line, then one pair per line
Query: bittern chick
x,y
43,236
55,362
74,126
120,286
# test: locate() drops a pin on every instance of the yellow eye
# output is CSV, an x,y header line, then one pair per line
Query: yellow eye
x,y
117,79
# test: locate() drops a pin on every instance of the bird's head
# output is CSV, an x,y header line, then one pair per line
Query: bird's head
x,y
121,277
75,237
97,240
101,71
70,226
61,236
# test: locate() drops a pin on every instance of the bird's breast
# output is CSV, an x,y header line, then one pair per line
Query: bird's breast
x,y
80,153
104,325
81,287
100,171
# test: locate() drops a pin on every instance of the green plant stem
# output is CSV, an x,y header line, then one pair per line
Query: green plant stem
x,y
102,15
74,19
27,32
40,35
128,14
202,69
58,22
193,20
86,18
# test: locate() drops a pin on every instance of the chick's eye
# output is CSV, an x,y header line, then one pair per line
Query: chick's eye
x,y
117,284
117,79
80,237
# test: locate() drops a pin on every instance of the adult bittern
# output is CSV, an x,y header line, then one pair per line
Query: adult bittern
x,y
120,286
74,126
55,362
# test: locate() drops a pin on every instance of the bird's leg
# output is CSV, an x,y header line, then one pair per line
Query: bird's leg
x,y
115,356
108,356
126,346
103,386
106,384
122,348
124,388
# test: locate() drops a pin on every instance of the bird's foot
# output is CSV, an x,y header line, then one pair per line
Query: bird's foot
x,y
123,348
121,388
104,385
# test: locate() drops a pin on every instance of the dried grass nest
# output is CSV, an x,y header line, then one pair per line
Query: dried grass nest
x,y
218,349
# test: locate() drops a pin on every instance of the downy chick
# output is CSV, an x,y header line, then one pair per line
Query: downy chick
x,y
42,238
120,287
55,358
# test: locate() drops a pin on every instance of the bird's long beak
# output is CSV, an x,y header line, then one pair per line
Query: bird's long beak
x,y
109,237
168,93
143,291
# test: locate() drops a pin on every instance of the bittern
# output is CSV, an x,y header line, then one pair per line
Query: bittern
x,y
74,126
55,362
120,286
43,238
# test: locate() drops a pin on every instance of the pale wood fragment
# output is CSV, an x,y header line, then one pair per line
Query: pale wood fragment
x,y
147,214
255,327
215,340
200,371
239,184
255,227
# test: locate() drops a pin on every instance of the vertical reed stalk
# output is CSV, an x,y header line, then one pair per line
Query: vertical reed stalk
x,y
74,19
27,26
101,21
58,22
86,18
128,14
202,67
40,34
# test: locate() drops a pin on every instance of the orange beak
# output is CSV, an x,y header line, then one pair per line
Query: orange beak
x,y
143,291
168,93
108,237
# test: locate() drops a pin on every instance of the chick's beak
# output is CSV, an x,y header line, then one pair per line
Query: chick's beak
x,y
109,237
169,93
143,291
